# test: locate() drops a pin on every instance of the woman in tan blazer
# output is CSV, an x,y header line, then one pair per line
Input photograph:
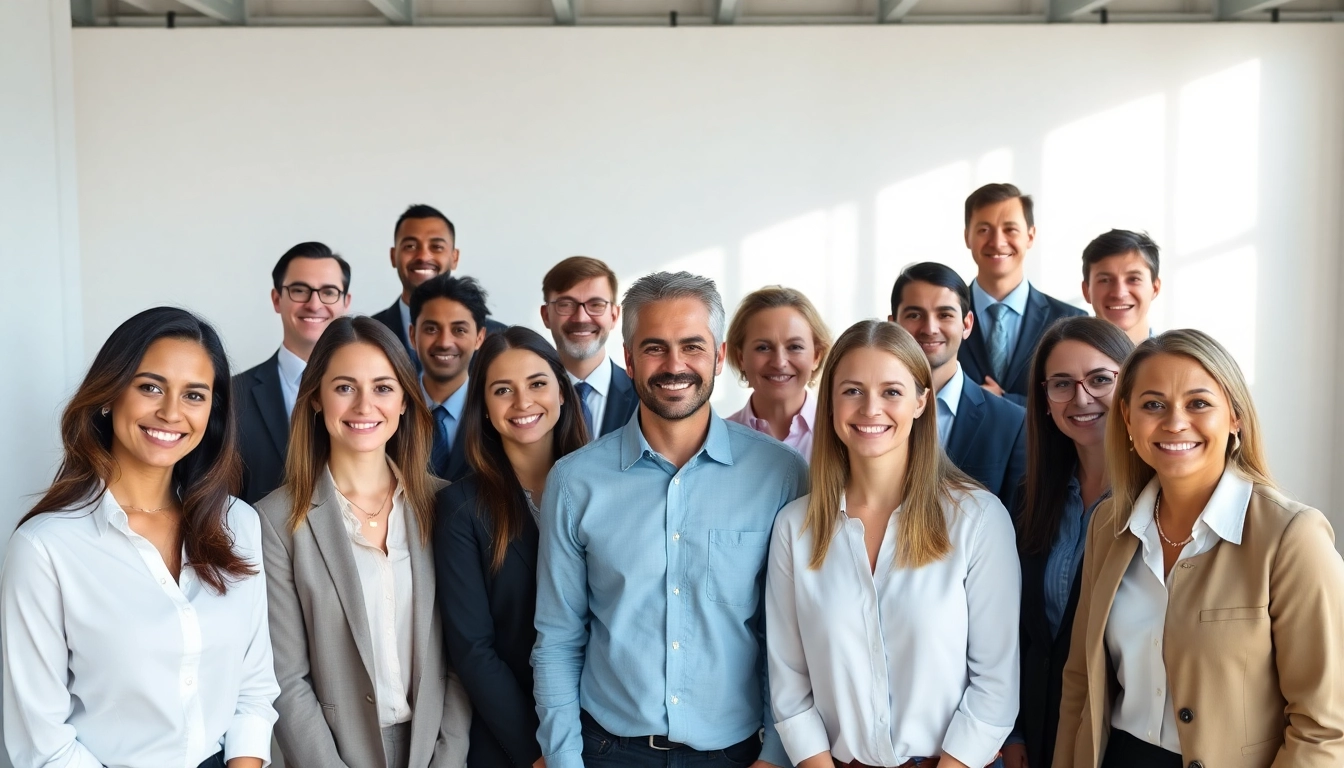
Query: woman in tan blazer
x,y
350,572
1210,626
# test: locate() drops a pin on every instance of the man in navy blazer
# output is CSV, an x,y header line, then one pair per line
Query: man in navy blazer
x,y
984,435
425,246
310,287
1010,313
580,310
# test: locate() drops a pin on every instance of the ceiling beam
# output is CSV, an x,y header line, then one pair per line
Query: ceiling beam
x,y
564,11
1069,10
145,5
725,11
396,11
227,11
81,13
894,10
1231,9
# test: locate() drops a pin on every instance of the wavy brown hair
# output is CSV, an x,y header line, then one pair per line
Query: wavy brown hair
x,y
202,480
500,501
310,444
930,477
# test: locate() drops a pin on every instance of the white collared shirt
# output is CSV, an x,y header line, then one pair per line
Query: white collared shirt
x,y
800,427
600,381
291,370
385,578
949,396
1016,300
1135,627
884,665
109,661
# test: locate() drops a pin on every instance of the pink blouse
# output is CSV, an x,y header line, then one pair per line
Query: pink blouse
x,y
800,428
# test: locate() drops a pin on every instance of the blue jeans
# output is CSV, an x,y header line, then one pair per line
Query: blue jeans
x,y
604,750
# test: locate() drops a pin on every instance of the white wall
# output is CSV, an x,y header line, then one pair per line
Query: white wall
x,y
823,157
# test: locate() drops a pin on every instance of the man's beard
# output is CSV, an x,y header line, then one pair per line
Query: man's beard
x,y
699,393
578,350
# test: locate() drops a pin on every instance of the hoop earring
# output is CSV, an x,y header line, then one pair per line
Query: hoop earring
x,y
106,410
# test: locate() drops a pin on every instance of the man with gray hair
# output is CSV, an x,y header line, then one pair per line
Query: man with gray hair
x,y
650,619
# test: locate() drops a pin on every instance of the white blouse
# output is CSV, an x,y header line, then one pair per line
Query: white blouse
x,y
109,661
1138,617
385,578
882,666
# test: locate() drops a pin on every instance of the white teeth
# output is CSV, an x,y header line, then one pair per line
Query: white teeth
x,y
676,387
1085,418
170,437
526,420
312,319
781,377
362,424
1177,446
1122,306
871,429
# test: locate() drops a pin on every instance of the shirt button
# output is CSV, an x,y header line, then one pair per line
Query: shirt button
x,y
676,481
675,700
1159,691
676,645
676,590
189,682
676,536
163,581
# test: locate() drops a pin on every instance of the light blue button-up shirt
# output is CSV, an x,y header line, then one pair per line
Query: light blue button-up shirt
x,y
650,611
1066,553
949,396
1016,300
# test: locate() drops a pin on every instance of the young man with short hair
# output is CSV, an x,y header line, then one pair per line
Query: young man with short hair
x,y
448,317
1120,280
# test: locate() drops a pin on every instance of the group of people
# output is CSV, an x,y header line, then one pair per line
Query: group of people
x,y
988,531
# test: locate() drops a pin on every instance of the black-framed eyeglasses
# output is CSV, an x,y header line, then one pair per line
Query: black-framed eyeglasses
x,y
1098,384
567,307
301,292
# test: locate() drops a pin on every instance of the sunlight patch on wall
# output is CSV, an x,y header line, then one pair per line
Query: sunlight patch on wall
x,y
1217,295
920,219
816,253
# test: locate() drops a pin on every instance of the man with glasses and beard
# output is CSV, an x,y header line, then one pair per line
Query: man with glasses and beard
x,y
580,311
651,566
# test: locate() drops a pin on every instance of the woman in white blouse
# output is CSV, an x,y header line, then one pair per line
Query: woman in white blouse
x,y
133,609
358,645
892,595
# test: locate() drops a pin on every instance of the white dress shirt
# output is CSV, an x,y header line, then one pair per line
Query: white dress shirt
x,y
109,661
291,371
1138,616
949,396
884,665
600,381
385,579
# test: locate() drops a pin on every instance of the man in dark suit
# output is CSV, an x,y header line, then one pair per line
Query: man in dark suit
x,y
1010,314
447,327
984,435
580,310
310,287
424,247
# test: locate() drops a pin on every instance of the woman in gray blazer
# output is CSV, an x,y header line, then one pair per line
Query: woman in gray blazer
x,y
350,571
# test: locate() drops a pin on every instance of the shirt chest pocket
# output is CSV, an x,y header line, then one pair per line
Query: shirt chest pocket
x,y
736,559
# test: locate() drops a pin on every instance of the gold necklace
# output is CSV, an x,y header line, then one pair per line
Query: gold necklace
x,y
369,518
146,511
1157,519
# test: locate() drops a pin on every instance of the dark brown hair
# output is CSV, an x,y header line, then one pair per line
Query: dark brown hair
x,y
310,444
203,479
1052,458
575,270
500,500
997,193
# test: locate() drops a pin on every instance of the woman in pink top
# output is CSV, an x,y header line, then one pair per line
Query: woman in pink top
x,y
776,343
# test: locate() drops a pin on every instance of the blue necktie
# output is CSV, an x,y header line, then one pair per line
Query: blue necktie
x,y
442,441
584,388
998,343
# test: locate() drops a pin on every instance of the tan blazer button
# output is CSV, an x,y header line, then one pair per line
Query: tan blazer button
x,y
369,698
1186,715
1196,764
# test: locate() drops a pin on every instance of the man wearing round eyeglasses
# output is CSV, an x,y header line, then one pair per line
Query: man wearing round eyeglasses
x,y
310,288
580,312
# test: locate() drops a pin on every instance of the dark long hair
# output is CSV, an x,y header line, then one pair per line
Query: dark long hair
x,y
500,499
1052,457
202,480
310,443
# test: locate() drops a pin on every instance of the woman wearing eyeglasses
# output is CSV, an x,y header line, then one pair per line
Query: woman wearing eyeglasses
x,y
1073,372
310,284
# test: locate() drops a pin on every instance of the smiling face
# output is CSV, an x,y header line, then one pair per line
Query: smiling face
x,y
522,397
360,399
1082,418
671,357
779,354
580,336
305,321
933,315
999,239
1179,419
875,402
424,249
1120,289
162,416
445,337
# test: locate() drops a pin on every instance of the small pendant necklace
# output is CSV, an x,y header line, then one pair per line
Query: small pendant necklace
x,y
1157,519
369,518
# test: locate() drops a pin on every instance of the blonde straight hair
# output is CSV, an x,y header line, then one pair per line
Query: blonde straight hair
x,y
930,478
1130,473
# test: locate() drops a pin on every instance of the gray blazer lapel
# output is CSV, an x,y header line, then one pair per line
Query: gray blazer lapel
x,y
324,519
427,652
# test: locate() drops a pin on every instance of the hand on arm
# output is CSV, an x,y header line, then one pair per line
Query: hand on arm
x,y
992,386
1015,756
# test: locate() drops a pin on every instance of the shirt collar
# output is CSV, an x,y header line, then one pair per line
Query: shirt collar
x,y
1016,299
353,524
599,379
455,401
950,394
634,447
291,366
1225,514
802,423
405,310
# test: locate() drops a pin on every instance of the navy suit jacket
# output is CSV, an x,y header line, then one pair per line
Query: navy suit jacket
x,y
621,401
487,626
391,317
263,428
456,467
988,441
1042,311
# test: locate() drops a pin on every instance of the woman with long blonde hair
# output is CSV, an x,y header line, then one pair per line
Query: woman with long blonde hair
x,y
892,591
1210,621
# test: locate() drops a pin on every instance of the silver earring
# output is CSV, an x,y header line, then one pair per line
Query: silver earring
x,y
106,410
